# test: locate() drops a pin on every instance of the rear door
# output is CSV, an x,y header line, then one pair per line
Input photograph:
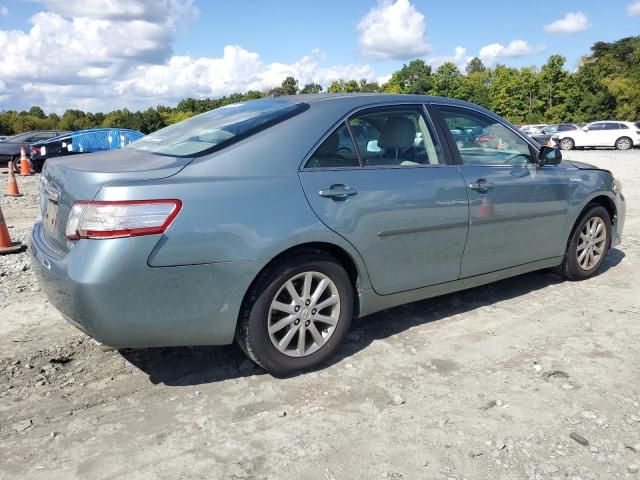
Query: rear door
x,y
380,180
518,211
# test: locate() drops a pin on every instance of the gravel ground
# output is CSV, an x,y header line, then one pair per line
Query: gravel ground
x,y
532,378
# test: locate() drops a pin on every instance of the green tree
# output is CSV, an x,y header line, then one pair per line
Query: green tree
x,y
475,65
447,80
311,88
415,77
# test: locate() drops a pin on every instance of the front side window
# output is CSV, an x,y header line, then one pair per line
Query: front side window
x,y
596,126
485,141
395,136
212,130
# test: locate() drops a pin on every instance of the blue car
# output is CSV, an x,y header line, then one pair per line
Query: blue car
x,y
274,222
80,141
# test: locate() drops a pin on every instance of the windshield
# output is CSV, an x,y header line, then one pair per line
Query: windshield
x,y
212,130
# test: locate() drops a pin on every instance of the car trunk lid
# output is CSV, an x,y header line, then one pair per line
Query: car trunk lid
x,y
66,180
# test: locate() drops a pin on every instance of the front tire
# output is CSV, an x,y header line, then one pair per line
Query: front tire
x,y
588,245
567,144
297,313
624,143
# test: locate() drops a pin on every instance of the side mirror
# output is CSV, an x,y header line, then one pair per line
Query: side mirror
x,y
549,156
585,129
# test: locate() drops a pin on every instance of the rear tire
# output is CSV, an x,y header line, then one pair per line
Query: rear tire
x,y
567,144
624,143
279,310
588,245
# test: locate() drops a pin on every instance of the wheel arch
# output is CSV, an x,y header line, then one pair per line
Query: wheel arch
x,y
342,256
596,200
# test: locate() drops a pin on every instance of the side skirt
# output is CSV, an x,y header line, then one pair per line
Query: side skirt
x,y
371,302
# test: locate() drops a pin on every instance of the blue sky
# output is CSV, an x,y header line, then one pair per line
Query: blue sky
x,y
76,53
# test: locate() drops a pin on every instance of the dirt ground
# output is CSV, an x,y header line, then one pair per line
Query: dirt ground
x,y
484,384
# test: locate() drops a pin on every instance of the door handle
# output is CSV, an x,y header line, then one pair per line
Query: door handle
x,y
337,191
481,185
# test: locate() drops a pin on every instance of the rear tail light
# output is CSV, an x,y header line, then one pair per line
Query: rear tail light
x,y
120,219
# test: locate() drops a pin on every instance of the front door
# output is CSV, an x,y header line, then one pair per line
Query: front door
x,y
518,211
380,181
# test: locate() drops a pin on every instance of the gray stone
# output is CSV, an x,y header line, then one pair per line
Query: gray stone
x,y
579,438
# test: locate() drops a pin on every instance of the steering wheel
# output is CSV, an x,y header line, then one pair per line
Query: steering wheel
x,y
344,149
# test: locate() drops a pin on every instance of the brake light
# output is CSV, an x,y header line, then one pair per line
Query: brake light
x,y
130,218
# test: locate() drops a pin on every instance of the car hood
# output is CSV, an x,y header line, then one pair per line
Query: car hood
x,y
582,165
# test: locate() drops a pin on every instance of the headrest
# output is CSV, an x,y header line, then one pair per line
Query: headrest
x,y
398,132
330,144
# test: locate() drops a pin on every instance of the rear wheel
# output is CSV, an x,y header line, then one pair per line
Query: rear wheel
x,y
567,144
588,245
297,313
624,143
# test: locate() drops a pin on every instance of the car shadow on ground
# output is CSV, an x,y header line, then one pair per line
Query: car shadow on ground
x,y
185,366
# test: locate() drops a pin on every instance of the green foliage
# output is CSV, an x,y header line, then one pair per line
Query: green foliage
x,y
606,85
412,78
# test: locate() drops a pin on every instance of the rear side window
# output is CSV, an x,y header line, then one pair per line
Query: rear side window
x,y
218,128
337,150
612,126
395,136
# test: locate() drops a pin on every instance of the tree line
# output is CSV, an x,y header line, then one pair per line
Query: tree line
x,y
606,85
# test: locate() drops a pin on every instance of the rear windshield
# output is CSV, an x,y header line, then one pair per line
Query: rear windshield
x,y
217,128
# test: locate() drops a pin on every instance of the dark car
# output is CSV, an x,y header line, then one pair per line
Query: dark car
x,y
82,141
10,147
547,132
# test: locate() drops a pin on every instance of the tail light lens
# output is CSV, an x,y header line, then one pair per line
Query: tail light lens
x,y
120,219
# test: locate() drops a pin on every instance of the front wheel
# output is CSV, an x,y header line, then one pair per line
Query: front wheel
x,y
567,144
297,313
624,143
588,245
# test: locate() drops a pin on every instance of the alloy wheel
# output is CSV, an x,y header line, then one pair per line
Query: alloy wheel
x,y
623,144
591,243
566,144
303,314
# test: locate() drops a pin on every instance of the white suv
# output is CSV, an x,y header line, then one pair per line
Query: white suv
x,y
621,135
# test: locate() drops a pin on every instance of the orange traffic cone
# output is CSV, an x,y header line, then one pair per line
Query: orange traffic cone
x,y
485,210
25,166
6,245
12,185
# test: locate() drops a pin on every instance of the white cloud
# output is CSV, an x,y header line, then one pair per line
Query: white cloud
x,y
633,9
393,30
572,22
490,54
237,70
459,58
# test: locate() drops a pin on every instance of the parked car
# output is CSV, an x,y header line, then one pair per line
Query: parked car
x,y
534,129
621,135
547,132
10,147
256,222
82,141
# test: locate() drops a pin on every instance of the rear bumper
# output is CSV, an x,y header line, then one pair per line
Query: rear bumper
x,y
106,289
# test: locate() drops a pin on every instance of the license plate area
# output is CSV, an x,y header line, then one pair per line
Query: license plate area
x,y
50,216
